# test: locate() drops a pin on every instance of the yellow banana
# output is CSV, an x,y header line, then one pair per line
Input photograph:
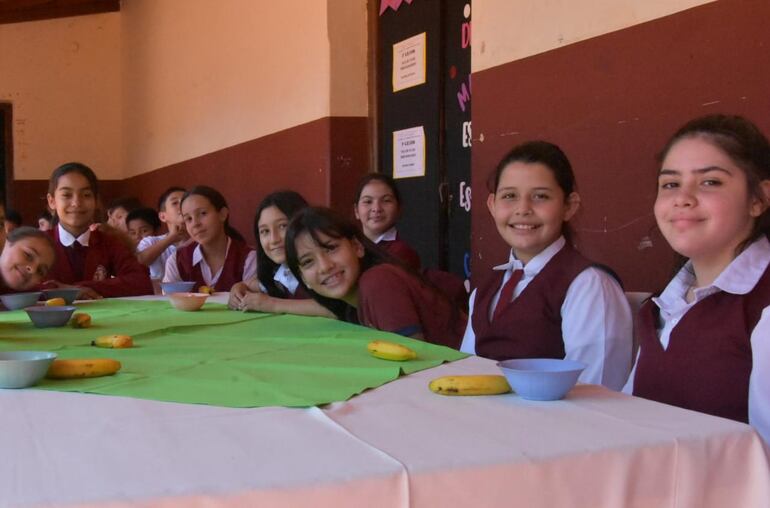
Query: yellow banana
x,y
390,351
93,367
206,289
470,385
113,341
81,320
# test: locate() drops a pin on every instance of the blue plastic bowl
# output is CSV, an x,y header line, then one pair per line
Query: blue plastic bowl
x,y
176,287
43,316
13,301
541,378
69,294
19,369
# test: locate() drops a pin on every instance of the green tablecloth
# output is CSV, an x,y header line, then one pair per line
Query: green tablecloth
x,y
221,357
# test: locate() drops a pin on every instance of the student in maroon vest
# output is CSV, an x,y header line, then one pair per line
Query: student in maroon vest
x,y
275,289
345,272
377,207
704,341
218,257
98,261
547,301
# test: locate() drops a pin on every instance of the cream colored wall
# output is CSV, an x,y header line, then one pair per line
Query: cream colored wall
x,y
199,75
62,77
508,30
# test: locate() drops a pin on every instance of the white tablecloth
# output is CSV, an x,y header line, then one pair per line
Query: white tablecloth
x,y
396,446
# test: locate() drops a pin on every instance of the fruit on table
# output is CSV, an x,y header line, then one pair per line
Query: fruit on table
x,y
81,368
113,341
81,320
390,351
470,385
53,302
206,289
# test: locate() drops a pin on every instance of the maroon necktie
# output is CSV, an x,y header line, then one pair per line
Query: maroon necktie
x,y
77,258
507,293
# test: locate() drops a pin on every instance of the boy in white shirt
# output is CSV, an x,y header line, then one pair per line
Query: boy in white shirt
x,y
154,251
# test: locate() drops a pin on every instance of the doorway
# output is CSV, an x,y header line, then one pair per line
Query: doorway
x,y
6,153
433,113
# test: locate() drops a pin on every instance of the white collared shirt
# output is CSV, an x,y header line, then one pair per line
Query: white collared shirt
x,y
172,271
739,278
158,267
283,276
596,319
388,235
67,239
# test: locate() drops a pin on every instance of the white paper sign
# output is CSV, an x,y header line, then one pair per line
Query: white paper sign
x,y
409,62
409,152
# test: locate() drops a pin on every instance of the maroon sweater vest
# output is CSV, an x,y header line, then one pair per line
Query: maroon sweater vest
x,y
232,271
530,326
707,364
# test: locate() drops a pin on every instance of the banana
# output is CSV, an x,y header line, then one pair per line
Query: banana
x,y
206,289
81,320
390,351
470,385
73,369
113,341
55,302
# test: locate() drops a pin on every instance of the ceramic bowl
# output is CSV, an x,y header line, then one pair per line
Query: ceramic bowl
x,y
19,369
13,301
176,287
69,294
43,316
187,301
541,378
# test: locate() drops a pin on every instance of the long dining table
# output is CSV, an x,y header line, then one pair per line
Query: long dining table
x,y
397,445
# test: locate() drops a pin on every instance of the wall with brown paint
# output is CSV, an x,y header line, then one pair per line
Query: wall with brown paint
x,y
611,102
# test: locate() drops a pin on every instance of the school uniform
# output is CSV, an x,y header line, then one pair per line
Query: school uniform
x,y
712,354
158,267
288,284
188,264
560,307
393,300
399,249
79,259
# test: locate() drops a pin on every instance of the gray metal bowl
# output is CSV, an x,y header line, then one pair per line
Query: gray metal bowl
x,y
43,316
13,301
69,294
19,369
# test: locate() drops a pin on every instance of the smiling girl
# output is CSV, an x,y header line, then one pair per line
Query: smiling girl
x,y
218,256
341,267
547,301
275,289
704,341
98,262
377,207
26,258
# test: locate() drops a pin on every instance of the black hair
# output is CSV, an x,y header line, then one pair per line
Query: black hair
x,y
289,203
14,216
166,193
377,177
148,215
46,214
547,154
73,167
23,232
217,200
129,204
746,146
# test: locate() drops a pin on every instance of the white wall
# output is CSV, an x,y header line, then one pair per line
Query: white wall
x,y
62,77
508,30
